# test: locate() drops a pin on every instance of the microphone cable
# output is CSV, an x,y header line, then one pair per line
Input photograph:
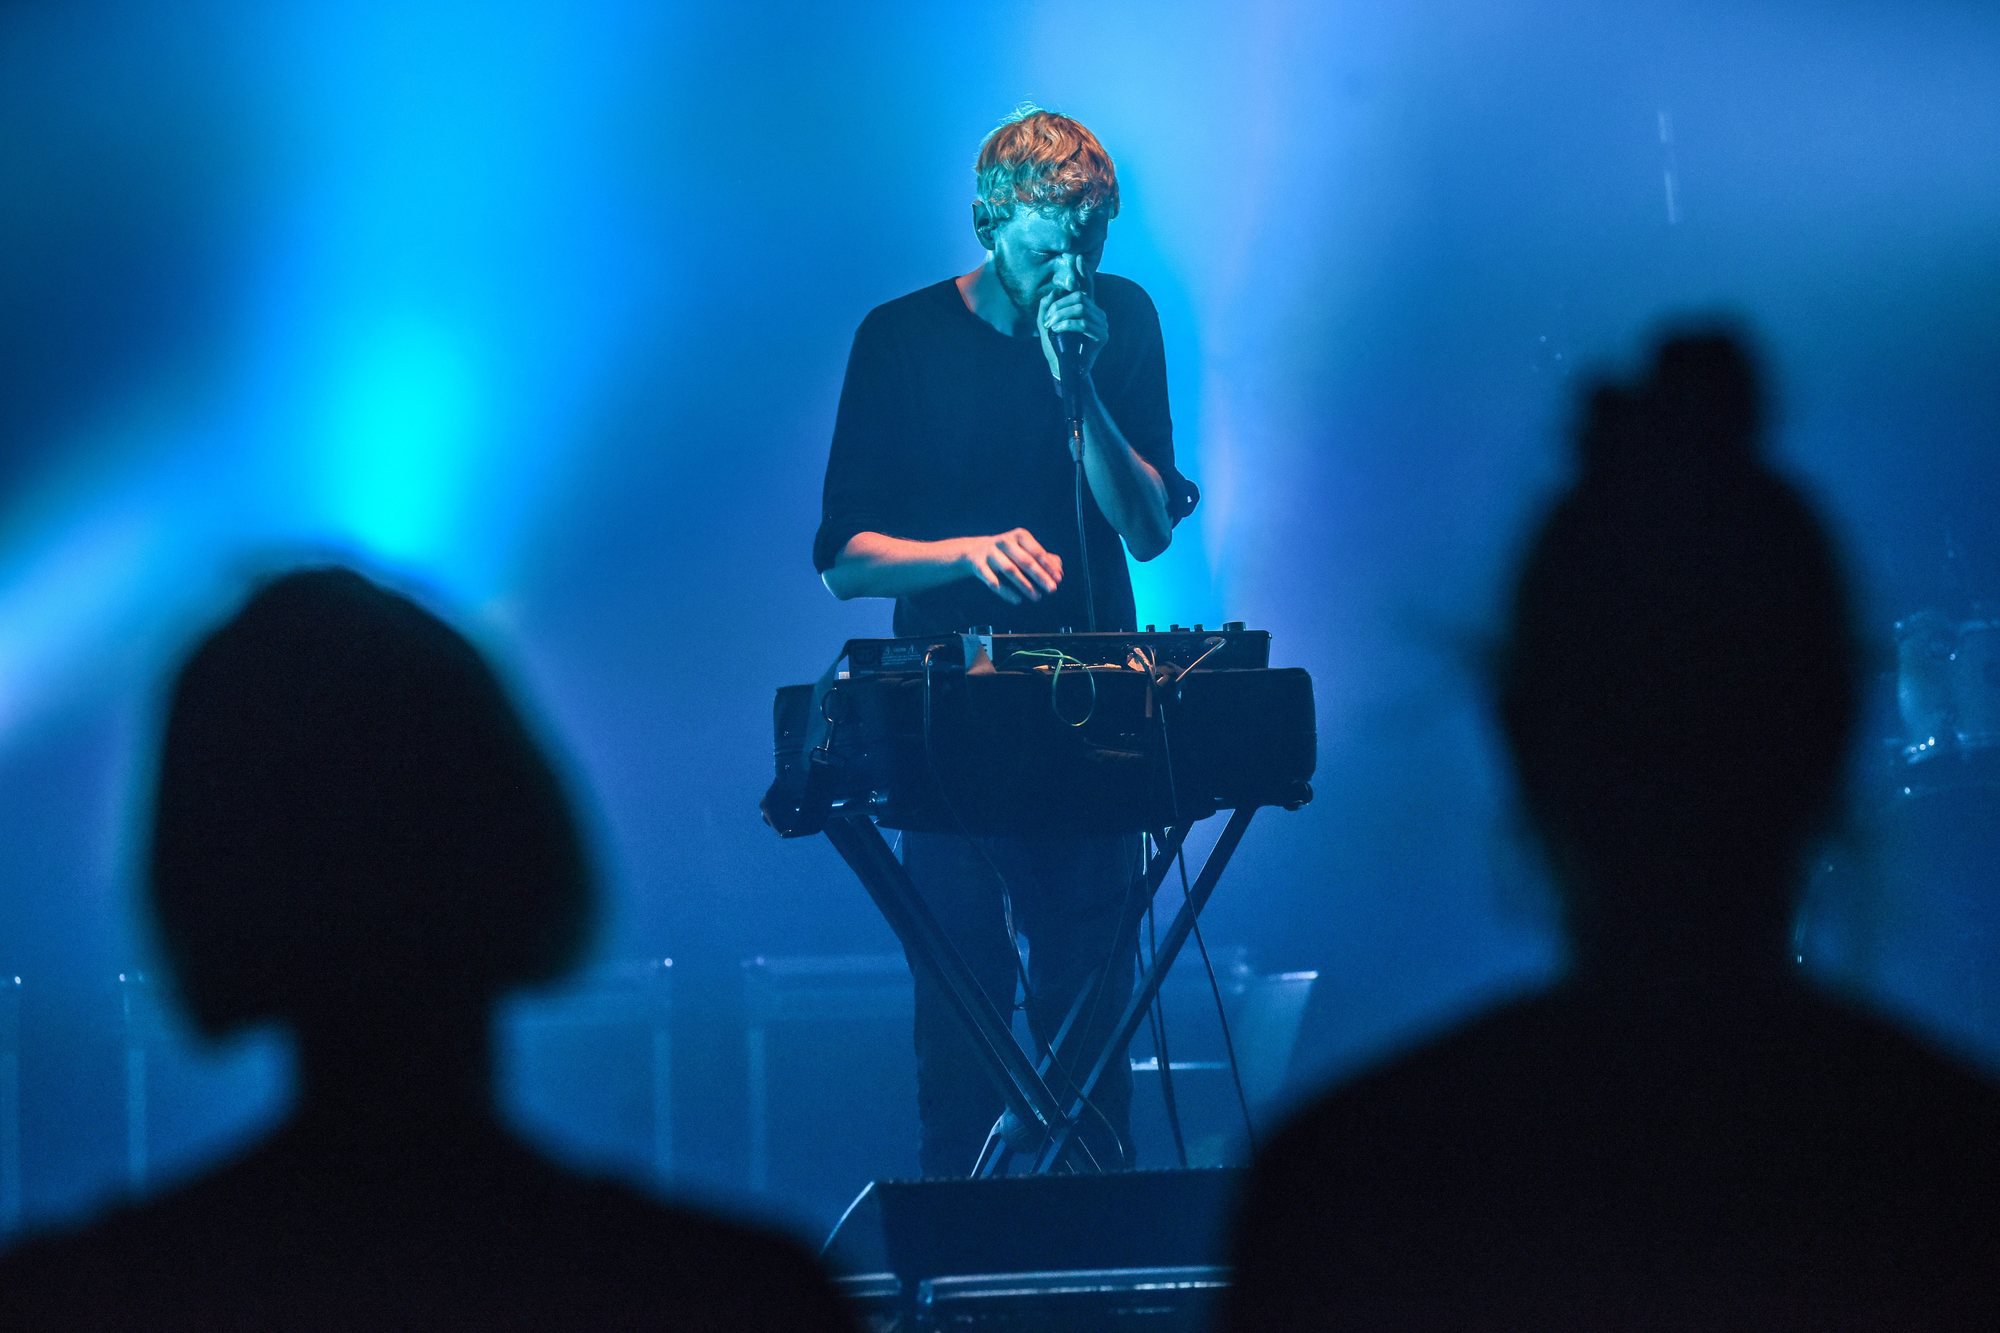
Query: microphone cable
x,y
1187,896
1156,1018
1082,532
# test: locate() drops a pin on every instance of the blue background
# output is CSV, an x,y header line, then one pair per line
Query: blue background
x,y
544,309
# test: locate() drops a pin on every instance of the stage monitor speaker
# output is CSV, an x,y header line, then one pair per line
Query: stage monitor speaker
x,y
1073,1241
1144,1300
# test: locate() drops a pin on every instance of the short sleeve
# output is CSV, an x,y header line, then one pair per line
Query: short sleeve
x,y
1137,398
862,491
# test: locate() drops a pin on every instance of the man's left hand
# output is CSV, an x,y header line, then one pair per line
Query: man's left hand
x,y
1073,312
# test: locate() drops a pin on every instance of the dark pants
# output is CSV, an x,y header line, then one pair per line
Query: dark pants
x,y
1068,896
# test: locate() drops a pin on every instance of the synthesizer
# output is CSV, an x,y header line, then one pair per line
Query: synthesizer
x,y
1052,735
1230,647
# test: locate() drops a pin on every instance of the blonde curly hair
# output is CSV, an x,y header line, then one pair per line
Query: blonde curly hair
x,y
1048,162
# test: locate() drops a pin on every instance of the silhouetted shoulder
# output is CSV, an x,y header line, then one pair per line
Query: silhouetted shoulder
x,y
519,1243
1584,1155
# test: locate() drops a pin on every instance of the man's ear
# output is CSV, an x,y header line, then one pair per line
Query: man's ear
x,y
984,220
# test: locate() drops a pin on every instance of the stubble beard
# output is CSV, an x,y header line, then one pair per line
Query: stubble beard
x,y
1028,303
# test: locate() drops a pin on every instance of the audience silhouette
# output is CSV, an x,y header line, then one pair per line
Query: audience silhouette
x,y
1683,1131
355,836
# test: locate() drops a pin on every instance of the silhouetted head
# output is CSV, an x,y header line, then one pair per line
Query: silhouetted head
x,y
352,823
1678,685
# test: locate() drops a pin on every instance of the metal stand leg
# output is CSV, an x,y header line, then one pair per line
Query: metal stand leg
x,y
1064,1127
1062,1054
1032,1110
1035,1119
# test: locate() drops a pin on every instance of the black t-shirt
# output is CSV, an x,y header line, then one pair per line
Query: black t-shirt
x,y
950,428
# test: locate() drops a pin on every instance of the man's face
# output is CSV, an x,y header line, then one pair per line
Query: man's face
x,y
1036,255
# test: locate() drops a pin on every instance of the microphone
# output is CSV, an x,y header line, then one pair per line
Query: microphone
x,y
1069,359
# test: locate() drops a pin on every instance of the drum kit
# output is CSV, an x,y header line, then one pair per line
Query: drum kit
x,y
1908,909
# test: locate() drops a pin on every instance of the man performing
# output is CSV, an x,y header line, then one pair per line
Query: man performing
x,y
951,488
